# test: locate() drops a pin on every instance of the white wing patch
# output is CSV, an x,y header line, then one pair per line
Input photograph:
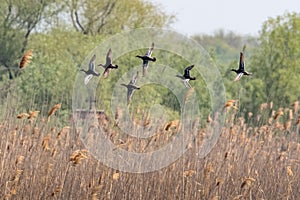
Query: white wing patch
x,y
87,78
239,76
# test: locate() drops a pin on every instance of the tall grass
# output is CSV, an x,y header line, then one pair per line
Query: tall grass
x,y
42,158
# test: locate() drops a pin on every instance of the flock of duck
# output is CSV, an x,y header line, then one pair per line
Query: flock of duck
x,y
146,58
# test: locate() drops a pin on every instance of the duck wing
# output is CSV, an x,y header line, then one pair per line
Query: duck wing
x,y
239,76
87,78
134,78
108,58
129,94
106,72
187,71
92,63
242,62
149,52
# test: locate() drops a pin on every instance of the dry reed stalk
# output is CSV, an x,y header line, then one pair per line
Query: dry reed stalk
x,y
298,121
116,175
53,109
208,169
77,156
56,191
26,58
189,173
53,153
14,132
147,120
289,171
137,110
271,105
278,126
209,119
62,131
250,114
45,143
19,160
230,104
174,123
33,114
247,181
118,115
17,175
188,94
270,120
35,130
291,115
27,128
22,115
287,125
263,106
278,113
215,197
295,106
219,181
95,191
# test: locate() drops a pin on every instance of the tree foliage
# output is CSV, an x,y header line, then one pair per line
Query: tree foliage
x,y
112,16
277,62
62,33
18,21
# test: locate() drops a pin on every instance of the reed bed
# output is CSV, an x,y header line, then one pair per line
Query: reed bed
x,y
257,158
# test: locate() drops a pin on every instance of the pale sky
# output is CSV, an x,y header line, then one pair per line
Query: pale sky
x,y
207,16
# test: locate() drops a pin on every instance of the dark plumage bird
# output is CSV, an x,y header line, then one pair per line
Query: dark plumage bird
x,y
146,58
131,87
108,65
91,70
241,70
186,76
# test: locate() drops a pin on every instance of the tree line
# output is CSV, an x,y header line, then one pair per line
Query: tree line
x,y
62,33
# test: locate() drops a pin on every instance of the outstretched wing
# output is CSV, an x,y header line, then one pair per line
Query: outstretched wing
x,y
145,66
187,71
186,83
134,78
242,62
129,94
92,63
239,76
149,52
109,57
87,78
106,73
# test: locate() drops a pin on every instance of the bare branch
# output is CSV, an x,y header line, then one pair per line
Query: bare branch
x,y
110,6
78,23
73,20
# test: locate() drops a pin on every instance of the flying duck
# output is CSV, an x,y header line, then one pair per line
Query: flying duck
x,y
146,58
241,70
91,71
186,76
108,65
131,87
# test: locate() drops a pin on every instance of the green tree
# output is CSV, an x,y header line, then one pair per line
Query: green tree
x,y
277,62
111,16
18,20
58,47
